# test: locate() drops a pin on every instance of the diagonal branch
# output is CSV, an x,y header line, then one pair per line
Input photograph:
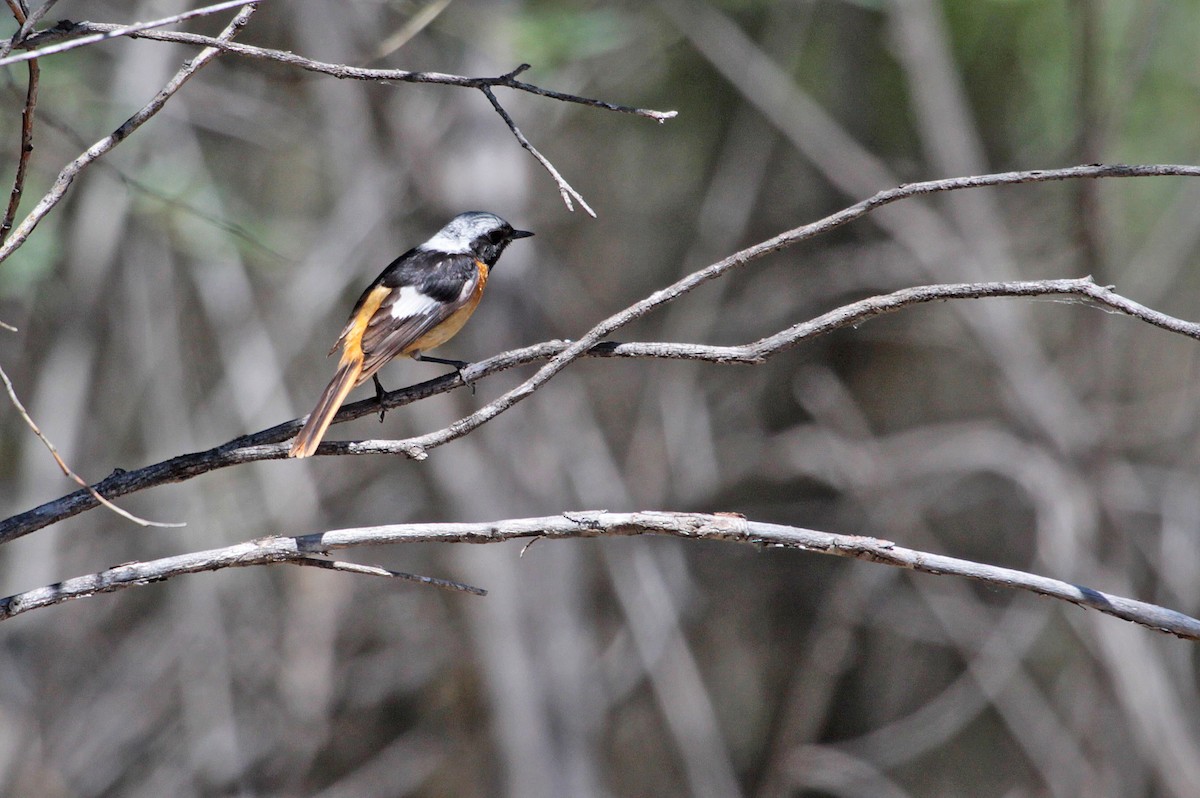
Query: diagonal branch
x,y
62,464
691,526
105,145
26,22
564,188
269,444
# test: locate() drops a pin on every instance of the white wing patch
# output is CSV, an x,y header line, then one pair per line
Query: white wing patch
x,y
411,303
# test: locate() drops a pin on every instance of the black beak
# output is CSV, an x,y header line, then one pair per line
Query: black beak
x,y
519,234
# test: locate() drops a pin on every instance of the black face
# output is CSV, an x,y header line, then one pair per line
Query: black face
x,y
489,246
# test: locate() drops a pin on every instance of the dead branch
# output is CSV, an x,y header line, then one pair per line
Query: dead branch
x,y
269,444
105,145
346,72
92,32
590,524
26,145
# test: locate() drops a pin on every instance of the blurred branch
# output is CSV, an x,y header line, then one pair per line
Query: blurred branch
x,y
694,526
106,144
62,464
269,444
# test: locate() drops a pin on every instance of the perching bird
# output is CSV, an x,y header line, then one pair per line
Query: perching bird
x,y
419,302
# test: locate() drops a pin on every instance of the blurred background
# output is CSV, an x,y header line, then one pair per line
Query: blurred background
x,y
188,288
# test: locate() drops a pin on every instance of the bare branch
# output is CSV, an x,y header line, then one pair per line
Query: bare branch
x,y
123,30
31,93
486,85
344,72
269,444
102,147
26,149
692,526
62,464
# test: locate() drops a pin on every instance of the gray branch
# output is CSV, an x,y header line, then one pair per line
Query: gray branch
x,y
270,444
726,527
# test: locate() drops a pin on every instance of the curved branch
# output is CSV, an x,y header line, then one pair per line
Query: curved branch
x,y
727,527
269,444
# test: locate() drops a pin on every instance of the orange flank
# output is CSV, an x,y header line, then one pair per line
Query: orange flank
x,y
349,374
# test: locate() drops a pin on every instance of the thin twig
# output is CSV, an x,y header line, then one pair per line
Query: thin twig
x,y
344,72
105,145
14,197
486,85
35,16
564,188
269,444
691,526
375,570
62,464
26,147
123,30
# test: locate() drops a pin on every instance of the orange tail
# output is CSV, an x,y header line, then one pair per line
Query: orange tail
x,y
322,415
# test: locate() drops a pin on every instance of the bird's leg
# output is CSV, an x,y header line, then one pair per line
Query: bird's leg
x,y
379,394
459,365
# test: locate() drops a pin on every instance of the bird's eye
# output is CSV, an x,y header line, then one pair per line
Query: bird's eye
x,y
496,236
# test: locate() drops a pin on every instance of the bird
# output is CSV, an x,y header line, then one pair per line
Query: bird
x,y
420,301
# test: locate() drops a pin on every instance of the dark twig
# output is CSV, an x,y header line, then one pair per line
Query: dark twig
x,y
14,197
106,144
26,148
691,526
564,188
269,444
345,72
